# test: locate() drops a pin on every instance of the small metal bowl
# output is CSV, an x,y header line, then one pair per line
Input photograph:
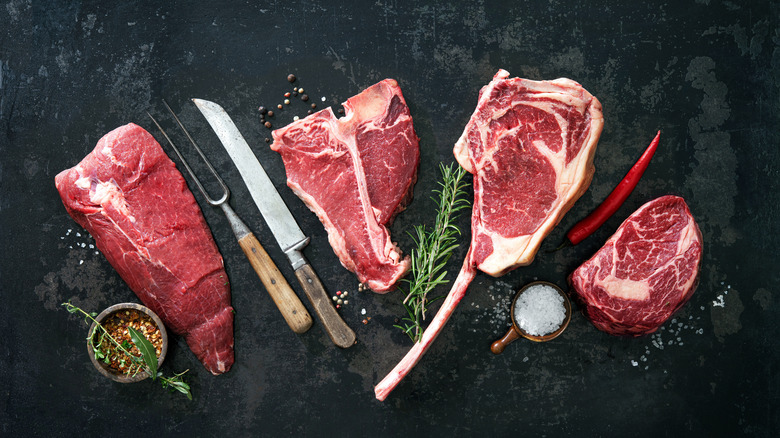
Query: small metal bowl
x,y
109,372
515,332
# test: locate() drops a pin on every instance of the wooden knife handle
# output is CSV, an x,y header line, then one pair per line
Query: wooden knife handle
x,y
286,300
337,329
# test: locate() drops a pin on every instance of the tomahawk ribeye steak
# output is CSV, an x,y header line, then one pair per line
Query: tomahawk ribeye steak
x,y
645,272
131,198
356,173
530,147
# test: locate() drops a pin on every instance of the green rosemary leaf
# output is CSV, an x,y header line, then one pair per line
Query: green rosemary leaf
x,y
434,248
147,350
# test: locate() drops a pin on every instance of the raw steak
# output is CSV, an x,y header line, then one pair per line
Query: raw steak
x,y
128,194
356,173
530,147
645,272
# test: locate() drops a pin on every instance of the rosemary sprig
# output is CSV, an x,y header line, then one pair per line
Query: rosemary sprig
x,y
434,248
146,361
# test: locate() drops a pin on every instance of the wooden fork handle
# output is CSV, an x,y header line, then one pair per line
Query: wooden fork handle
x,y
280,291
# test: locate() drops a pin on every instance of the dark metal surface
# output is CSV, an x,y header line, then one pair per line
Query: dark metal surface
x,y
704,72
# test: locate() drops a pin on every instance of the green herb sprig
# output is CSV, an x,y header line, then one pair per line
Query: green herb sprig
x,y
146,361
434,248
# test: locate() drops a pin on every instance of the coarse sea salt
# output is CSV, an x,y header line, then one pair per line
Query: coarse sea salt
x,y
539,310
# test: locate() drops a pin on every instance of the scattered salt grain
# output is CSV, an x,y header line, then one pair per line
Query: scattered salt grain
x,y
363,311
539,310
323,98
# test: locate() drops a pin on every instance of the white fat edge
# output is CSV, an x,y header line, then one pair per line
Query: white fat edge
x,y
83,183
512,248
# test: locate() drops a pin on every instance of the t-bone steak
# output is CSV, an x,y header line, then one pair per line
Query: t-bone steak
x,y
356,173
530,147
131,198
645,272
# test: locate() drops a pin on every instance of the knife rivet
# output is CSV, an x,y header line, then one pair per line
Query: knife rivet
x,y
273,281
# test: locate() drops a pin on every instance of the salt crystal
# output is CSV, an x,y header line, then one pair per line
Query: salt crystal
x,y
525,359
634,363
539,310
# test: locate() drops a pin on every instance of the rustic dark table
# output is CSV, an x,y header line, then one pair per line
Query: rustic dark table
x,y
704,72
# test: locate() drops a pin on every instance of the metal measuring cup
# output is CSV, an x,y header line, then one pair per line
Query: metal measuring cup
x,y
515,332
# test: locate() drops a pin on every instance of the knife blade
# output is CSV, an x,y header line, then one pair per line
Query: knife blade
x,y
278,218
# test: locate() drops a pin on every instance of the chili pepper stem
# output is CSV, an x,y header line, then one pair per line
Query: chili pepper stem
x,y
565,244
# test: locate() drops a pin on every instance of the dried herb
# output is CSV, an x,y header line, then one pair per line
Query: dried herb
x,y
434,248
100,339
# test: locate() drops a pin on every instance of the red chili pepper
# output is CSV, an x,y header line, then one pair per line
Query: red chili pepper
x,y
593,221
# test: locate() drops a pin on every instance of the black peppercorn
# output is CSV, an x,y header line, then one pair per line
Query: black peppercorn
x,y
291,78
270,113
262,110
268,125
305,97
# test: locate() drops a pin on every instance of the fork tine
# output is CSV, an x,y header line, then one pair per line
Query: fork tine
x,y
186,166
200,152
209,199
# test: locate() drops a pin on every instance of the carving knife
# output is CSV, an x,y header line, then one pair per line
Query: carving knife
x,y
279,219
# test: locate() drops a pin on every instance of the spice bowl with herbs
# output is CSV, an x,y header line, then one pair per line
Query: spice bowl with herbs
x,y
114,343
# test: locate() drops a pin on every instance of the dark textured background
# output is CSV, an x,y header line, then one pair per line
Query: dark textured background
x,y
705,72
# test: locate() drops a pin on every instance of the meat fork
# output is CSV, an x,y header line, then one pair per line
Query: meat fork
x,y
291,307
